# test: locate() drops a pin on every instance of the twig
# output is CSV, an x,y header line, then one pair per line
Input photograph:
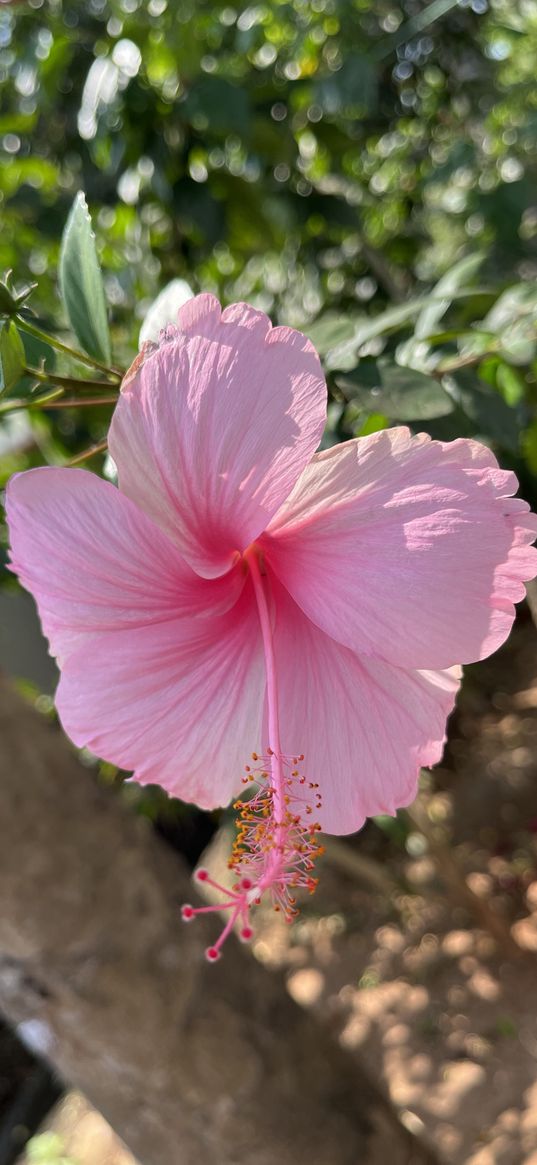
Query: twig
x,y
79,402
29,402
100,447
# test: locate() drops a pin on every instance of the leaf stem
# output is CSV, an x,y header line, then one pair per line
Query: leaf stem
x,y
53,342
467,361
52,400
82,402
31,402
68,381
99,447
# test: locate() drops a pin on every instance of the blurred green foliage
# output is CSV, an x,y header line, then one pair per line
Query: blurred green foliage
x,y
47,1149
363,169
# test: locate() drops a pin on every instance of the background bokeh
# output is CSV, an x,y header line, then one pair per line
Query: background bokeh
x,y
323,160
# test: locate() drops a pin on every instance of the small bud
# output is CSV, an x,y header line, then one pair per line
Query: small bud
x,y
11,300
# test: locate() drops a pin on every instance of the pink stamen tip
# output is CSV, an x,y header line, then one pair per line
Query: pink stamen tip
x,y
187,913
273,853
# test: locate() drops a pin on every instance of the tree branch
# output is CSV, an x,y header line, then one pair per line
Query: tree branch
x,y
190,1063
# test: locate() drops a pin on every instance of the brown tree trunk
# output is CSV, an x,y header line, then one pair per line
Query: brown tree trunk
x,y
192,1064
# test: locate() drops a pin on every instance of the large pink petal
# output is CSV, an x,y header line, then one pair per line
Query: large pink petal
x,y
96,563
407,549
365,727
178,703
214,427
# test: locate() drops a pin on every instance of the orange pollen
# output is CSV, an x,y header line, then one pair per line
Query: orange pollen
x,y
274,851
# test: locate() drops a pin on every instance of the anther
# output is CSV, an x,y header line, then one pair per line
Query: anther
x,y
274,848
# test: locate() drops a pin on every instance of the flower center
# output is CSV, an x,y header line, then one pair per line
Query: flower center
x,y
277,835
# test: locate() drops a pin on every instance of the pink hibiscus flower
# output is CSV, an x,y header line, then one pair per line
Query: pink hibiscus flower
x,y
241,591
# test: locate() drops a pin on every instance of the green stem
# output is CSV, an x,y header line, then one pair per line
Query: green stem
x,y
10,406
82,402
53,342
445,367
51,401
68,381
99,447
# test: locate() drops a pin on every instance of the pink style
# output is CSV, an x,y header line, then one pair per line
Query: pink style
x,y
240,591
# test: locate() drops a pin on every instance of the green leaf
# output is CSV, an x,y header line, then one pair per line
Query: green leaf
x,y
12,356
413,353
47,1149
511,384
517,302
372,424
330,330
343,355
491,416
517,342
368,329
471,346
443,293
529,446
415,25
402,394
81,283
37,355
513,320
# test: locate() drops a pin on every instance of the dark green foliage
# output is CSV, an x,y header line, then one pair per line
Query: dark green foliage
x,y
363,170
401,394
